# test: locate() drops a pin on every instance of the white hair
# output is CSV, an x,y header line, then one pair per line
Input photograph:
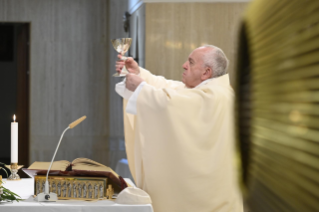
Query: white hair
x,y
216,59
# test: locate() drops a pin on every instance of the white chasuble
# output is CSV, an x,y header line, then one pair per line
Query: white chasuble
x,y
180,145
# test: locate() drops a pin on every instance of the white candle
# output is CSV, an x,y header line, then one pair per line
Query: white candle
x,y
14,141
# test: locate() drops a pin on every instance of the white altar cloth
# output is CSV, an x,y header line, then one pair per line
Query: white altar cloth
x,y
25,187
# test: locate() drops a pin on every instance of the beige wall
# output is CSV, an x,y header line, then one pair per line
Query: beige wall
x,y
173,30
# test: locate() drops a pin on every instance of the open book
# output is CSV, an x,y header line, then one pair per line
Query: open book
x,y
78,167
77,164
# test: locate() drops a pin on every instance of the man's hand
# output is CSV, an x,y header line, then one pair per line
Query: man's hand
x,y
133,81
130,64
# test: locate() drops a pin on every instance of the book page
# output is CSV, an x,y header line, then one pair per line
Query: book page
x,y
91,165
57,165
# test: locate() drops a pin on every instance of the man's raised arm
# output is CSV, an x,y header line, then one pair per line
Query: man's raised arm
x,y
149,78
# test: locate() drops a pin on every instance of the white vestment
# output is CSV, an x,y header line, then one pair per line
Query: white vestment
x,y
180,145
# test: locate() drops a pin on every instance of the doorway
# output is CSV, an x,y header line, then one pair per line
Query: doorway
x,y
14,90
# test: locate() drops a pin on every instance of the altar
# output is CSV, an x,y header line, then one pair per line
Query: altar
x,y
25,187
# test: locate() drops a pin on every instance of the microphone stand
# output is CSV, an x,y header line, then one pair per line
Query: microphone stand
x,y
47,196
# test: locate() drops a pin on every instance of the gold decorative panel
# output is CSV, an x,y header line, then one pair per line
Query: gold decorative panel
x,y
277,105
68,187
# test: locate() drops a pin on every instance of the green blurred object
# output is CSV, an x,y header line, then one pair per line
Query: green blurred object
x,y
277,105
1,168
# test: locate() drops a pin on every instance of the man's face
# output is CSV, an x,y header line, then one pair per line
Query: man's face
x,y
194,68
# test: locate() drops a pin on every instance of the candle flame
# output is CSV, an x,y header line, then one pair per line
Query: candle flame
x,y
14,118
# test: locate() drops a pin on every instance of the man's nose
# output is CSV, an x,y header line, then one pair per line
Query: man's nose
x,y
185,65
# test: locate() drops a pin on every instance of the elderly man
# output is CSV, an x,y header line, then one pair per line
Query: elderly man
x,y
179,135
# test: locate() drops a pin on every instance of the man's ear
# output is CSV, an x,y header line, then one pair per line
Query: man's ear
x,y
207,73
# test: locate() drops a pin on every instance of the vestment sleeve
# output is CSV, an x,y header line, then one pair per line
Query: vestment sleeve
x,y
159,100
159,81
131,104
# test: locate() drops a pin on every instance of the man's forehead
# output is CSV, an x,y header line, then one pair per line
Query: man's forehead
x,y
197,52
203,49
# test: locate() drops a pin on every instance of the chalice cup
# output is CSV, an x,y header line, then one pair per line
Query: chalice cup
x,y
121,45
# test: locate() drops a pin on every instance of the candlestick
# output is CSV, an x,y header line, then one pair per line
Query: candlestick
x,y
14,141
14,167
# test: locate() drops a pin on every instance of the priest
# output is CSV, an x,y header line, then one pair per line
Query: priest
x,y
179,136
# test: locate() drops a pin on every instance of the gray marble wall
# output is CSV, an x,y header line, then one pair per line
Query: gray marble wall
x,y
71,63
116,30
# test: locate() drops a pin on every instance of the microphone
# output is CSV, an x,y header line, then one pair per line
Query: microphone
x,y
47,196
